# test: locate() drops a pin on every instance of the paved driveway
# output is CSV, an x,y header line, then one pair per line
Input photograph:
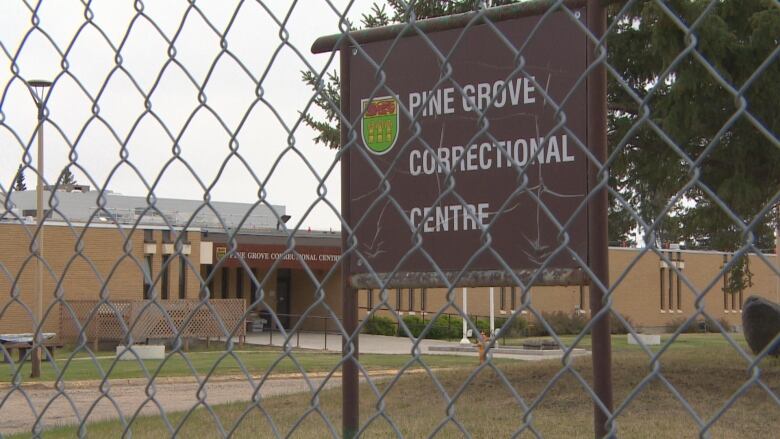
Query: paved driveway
x,y
369,344
16,415
381,344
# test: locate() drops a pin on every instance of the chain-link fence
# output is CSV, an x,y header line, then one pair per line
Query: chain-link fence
x,y
452,189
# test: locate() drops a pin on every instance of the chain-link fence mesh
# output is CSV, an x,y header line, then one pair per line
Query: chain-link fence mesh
x,y
466,210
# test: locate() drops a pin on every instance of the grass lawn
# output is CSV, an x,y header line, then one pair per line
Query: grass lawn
x,y
703,368
256,360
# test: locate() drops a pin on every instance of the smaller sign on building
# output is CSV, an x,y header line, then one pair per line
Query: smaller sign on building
x,y
265,256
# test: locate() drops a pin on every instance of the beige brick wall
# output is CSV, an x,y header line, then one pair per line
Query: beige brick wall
x,y
81,264
635,280
303,290
106,255
192,267
78,263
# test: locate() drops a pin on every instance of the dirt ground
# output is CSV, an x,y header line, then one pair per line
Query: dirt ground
x,y
85,401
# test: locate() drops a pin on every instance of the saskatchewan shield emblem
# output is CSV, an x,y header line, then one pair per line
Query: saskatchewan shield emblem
x,y
380,123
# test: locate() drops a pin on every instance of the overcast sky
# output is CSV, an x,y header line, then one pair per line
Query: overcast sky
x,y
254,38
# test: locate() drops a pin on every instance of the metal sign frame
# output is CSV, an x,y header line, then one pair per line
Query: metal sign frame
x,y
597,213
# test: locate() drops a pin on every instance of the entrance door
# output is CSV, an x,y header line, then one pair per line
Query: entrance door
x,y
283,276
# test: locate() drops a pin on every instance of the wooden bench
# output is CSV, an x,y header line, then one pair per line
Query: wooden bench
x,y
23,347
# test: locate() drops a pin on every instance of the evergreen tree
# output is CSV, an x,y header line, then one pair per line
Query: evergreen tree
x,y
67,178
696,116
700,161
20,184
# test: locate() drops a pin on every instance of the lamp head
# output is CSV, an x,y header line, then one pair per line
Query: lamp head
x,y
39,83
37,92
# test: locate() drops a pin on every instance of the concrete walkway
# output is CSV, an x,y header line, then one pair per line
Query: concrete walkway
x,y
381,344
369,344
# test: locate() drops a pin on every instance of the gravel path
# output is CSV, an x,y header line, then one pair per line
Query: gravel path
x,y
17,416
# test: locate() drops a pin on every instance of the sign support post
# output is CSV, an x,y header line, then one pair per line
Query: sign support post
x,y
395,188
349,379
597,224
492,314
465,339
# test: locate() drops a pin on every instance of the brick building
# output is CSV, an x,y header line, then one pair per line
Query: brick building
x,y
125,256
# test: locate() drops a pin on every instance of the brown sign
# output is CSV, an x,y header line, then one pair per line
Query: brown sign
x,y
264,256
520,172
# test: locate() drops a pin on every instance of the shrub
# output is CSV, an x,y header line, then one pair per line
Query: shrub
x,y
380,326
415,324
692,327
616,327
444,329
700,325
711,326
726,324
562,323
518,326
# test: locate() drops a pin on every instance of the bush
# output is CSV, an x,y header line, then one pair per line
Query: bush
x,y
616,327
697,326
711,326
726,324
518,326
443,328
379,326
562,323
415,324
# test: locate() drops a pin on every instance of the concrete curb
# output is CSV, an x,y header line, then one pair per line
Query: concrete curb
x,y
555,353
120,382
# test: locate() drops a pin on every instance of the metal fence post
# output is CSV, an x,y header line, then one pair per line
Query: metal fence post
x,y
597,222
350,385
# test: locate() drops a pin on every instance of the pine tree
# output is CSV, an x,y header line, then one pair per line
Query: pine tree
x,y
696,118
67,178
19,183
693,118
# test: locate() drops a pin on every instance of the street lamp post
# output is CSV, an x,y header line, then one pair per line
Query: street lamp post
x,y
37,89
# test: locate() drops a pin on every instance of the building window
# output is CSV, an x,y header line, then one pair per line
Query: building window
x,y
182,277
148,235
514,299
670,284
210,280
423,300
739,305
582,296
397,299
252,288
661,286
410,304
679,283
731,301
166,236
725,284
225,282
670,303
239,283
502,299
165,268
369,299
147,276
